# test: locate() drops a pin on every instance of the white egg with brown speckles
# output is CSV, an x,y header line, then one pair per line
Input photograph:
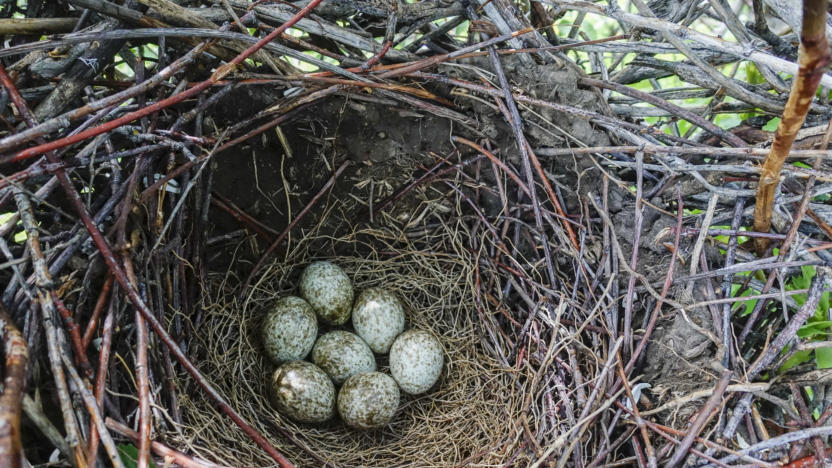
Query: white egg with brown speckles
x,y
342,354
328,290
368,400
416,360
378,318
289,330
302,391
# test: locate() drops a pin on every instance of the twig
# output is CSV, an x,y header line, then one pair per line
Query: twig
x,y
704,415
638,218
814,56
161,450
294,222
642,344
661,103
219,74
14,374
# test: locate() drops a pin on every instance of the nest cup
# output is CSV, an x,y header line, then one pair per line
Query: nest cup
x,y
467,417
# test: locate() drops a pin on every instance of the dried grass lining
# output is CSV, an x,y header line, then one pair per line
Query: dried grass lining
x,y
472,417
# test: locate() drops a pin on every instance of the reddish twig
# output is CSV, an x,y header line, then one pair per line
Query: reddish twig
x,y
96,313
74,333
807,462
650,451
14,378
95,414
142,377
229,207
437,59
63,120
101,374
45,284
159,329
806,419
784,249
219,74
813,59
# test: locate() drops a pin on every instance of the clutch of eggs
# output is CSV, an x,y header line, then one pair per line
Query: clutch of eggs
x,y
367,399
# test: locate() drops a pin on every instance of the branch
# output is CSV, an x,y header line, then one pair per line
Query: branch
x,y
813,59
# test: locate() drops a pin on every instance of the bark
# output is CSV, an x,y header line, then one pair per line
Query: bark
x,y
813,59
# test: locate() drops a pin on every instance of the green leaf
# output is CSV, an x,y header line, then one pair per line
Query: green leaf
x,y
772,124
752,74
749,305
795,360
18,238
824,358
130,456
812,329
727,121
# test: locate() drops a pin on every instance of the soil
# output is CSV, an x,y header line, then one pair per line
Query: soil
x,y
387,147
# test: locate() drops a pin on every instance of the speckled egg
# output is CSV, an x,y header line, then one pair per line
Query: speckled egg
x,y
328,290
341,354
289,330
416,361
368,400
303,392
378,318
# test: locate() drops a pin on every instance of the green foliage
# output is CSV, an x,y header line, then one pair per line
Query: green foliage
x,y
795,360
727,121
122,67
817,328
725,239
772,124
129,454
461,31
19,237
750,304
752,74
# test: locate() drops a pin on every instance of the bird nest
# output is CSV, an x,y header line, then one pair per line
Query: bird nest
x,y
472,416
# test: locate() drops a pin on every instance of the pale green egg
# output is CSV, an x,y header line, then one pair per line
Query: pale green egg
x,y
416,360
341,354
378,318
368,400
328,290
302,391
289,330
